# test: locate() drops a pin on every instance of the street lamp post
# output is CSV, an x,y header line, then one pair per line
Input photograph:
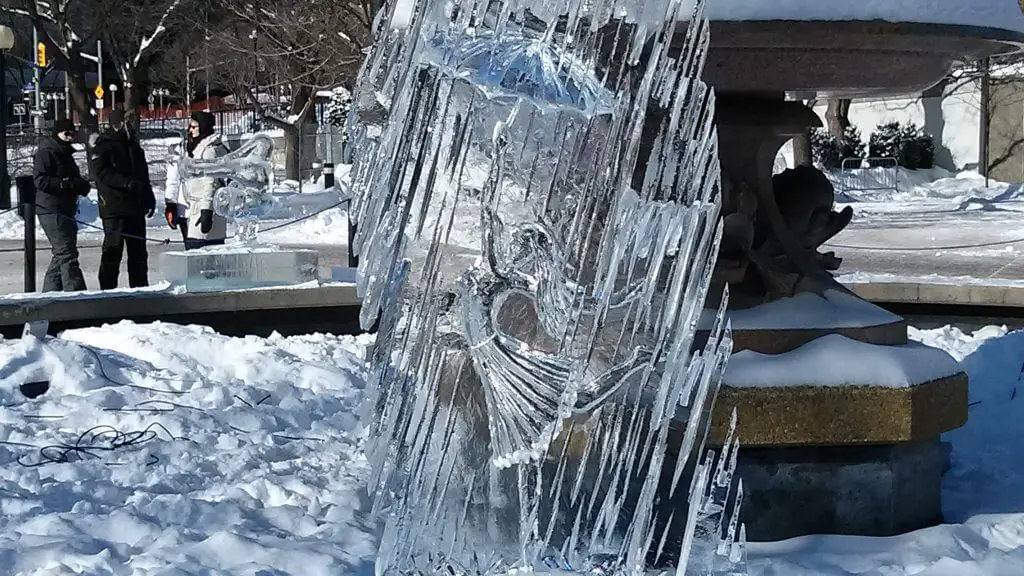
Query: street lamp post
x,y
6,43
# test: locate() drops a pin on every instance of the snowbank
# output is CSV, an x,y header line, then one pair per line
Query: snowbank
x,y
243,454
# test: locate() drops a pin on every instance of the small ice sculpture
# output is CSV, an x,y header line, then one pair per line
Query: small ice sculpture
x,y
247,177
542,393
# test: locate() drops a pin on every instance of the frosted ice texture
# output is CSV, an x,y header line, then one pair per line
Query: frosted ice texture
x,y
543,393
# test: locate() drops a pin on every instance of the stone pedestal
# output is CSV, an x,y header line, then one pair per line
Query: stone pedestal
x,y
869,490
837,453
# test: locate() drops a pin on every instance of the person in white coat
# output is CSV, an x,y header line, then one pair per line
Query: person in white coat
x,y
204,227
175,201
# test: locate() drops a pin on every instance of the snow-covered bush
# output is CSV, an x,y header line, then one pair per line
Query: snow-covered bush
x,y
829,153
908,144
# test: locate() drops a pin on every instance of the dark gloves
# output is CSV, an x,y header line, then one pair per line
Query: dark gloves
x,y
66,185
171,214
82,187
206,221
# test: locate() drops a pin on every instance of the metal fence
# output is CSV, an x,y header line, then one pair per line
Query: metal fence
x,y
869,175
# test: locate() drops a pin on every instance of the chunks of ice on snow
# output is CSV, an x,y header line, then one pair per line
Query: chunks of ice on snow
x,y
836,360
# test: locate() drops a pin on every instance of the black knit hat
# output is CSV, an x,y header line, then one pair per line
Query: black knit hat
x,y
207,123
63,125
116,119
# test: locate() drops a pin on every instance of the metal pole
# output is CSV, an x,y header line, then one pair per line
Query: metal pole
x,y
5,178
38,78
983,156
99,76
27,205
67,97
188,86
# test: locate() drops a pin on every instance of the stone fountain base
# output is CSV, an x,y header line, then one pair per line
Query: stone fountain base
x,y
839,425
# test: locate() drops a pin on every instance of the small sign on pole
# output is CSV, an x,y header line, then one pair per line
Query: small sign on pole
x,y
20,110
98,92
99,104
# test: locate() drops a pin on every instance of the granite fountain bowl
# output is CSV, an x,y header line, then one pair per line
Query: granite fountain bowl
x,y
847,59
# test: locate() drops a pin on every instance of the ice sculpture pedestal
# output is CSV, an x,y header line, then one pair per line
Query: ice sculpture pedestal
x,y
218,268
841,419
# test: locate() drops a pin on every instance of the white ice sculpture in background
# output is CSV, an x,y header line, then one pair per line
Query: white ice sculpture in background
x,y
247,175
542,392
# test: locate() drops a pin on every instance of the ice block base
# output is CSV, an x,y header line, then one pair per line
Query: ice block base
x,y
219,268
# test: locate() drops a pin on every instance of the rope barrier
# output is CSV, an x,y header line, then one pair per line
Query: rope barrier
x,y
168,241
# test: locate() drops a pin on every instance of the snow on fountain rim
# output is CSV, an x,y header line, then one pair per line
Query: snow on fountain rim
x,y
833,309
999,14
835,360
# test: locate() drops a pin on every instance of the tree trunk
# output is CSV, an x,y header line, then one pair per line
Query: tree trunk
x,y
837,117
802,149
296,135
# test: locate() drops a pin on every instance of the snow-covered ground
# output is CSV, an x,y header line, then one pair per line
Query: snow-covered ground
x,y
931,212
175,450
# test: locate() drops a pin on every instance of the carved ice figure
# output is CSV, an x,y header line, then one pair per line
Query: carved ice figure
x,y
542,392
245,195
247,175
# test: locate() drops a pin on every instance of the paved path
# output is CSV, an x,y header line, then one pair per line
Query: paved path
x,y
994,264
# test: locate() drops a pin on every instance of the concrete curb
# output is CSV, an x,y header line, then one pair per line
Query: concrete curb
x,y
935,293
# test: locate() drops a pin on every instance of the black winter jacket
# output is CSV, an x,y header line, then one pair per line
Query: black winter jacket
x,y
122,176
57,178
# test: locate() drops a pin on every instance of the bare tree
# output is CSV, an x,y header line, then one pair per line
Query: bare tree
x,y
133,34
303,46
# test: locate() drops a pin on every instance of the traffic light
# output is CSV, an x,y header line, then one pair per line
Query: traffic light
x,y
41,55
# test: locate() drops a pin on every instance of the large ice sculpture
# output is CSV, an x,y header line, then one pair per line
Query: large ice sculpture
x,y
542,391
246,178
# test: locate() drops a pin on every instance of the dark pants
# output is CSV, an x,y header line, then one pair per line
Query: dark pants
x,y
120,234
64,272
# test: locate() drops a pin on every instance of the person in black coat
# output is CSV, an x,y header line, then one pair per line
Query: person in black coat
x,y
126,199
59,183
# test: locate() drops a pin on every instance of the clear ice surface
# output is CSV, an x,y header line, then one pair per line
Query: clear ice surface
x,y
246,178
542,395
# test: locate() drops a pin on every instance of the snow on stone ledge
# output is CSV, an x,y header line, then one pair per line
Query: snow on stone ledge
x,y
835,309
804,311
836,360
1000,14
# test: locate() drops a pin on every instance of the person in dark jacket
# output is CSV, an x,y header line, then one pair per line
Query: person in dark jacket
x,y
126,199
59,183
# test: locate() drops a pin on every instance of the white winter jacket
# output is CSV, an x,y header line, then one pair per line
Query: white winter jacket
x,y
199,192
173,191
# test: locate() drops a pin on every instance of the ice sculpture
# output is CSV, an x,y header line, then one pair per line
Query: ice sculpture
x,y
542,391
246,176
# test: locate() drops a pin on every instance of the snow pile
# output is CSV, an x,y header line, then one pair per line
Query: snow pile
x,y
178,450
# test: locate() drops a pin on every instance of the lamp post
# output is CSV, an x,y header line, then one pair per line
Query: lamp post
x,y
6,43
